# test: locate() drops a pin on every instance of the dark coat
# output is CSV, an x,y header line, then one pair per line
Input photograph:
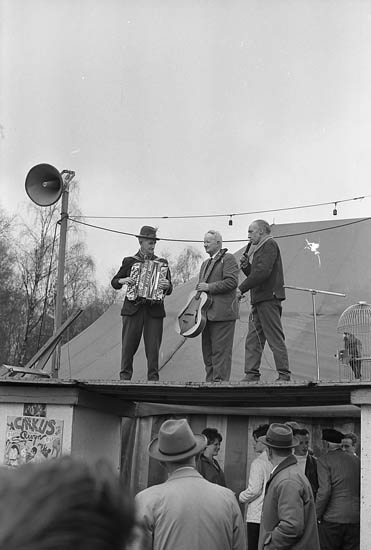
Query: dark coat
x,y
211,470
288,519
311,473
155,309
264,276
338,497
222,281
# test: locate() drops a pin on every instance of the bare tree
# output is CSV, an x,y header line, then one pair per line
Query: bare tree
x,y
11,295
186,265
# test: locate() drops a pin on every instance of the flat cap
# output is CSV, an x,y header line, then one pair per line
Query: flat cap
x,y
331,435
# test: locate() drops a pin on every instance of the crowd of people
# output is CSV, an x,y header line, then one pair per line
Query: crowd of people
x,y
293,500
143,313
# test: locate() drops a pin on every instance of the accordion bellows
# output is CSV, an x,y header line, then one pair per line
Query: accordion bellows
x,y
147,276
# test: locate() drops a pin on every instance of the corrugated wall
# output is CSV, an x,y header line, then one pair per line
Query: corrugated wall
x,y
236,451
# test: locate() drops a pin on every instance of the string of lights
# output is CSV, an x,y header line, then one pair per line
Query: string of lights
x,y
229,215
317,230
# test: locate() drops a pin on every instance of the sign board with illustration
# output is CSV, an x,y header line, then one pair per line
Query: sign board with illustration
x,y
32,439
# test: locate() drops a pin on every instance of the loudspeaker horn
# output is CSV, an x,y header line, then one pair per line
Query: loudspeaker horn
x,y
44,184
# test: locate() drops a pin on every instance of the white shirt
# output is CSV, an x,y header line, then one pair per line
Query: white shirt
x,y
302,461
260,471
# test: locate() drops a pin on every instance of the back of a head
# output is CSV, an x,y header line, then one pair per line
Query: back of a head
x,y
64,504
260,430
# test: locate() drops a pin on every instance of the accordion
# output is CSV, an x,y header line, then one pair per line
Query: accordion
x,y
147,276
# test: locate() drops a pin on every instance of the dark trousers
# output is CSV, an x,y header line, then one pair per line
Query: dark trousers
x,y
217,344
252,535
265,326
133,326
339,536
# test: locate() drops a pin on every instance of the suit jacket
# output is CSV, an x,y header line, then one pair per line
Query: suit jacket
x,y
265,274
155,309
188,512
222,281
311,473
288,518
338,497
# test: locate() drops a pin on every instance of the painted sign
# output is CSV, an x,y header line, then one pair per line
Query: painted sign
x,y
32,439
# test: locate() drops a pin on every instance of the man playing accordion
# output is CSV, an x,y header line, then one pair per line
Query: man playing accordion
x,y
148,280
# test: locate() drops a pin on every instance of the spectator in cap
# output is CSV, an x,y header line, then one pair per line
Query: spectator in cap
x,y
187,511
349,443
338,497
141,315
288,518
253,495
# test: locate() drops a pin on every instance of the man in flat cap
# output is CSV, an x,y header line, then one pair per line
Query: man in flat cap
x,y
187,511
288,519
141,315
338,497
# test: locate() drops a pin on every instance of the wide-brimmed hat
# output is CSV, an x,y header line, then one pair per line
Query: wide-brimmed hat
x,y
176,441
331,435
279,436
148,232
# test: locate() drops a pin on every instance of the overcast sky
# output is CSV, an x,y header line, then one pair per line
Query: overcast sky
x,y
184,107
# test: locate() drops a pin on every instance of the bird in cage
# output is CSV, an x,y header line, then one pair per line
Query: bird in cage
x,y
353,352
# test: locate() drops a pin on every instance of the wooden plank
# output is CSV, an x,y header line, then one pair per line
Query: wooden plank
x,y
140,457
361,396
149,409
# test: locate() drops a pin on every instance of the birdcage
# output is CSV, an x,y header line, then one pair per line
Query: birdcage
x,y
354,343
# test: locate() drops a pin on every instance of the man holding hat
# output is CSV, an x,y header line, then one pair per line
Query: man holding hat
x,y
187,511
141,316
338,497
288,518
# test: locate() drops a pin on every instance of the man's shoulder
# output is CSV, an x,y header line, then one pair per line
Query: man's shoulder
x,y
262,458
131,259
229,258
293,475
269,246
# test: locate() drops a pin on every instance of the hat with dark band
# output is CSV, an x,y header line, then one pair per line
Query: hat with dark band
x,y
176,442
279,436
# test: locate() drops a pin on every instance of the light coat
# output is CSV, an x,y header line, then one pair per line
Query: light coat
x,y
188,512
288,519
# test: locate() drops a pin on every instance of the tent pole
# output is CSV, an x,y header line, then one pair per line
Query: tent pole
x,y
314,292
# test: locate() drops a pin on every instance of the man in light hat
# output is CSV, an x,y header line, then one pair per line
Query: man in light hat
x,y
288,518
139,315
187,512
338,497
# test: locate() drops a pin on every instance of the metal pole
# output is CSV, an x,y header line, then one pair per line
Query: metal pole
x,y
315,331
61,263
314,292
